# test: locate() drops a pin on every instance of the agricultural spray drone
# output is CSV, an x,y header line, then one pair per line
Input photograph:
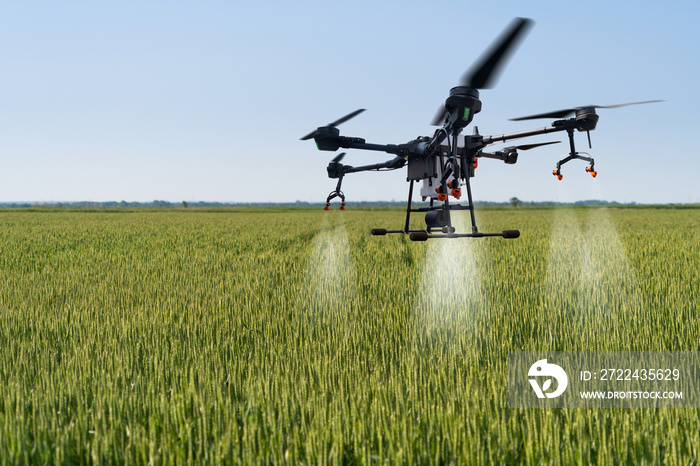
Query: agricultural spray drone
x,y
440,163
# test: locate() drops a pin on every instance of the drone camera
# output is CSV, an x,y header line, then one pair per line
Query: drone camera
x,y
436,218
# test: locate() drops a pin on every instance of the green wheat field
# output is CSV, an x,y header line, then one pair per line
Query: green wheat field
x,y
272,336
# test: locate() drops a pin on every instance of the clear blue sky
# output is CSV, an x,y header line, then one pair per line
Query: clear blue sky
x,y
207,101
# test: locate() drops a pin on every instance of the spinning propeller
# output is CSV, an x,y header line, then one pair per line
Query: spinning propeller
x,y
483,74
335,123
571,111
532,146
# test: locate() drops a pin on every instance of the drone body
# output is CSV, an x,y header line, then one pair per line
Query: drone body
x,y
443,165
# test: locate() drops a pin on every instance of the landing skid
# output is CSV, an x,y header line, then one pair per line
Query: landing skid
x,y
438,219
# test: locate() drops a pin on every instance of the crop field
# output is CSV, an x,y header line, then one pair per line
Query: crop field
x,y
297,337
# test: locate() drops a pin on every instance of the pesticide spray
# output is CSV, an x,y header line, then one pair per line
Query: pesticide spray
x,y
450,292
330,276
590,286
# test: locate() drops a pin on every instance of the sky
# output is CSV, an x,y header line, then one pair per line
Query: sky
x,y
206,101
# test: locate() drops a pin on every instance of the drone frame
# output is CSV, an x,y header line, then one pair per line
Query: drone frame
x,y
430,160
417,152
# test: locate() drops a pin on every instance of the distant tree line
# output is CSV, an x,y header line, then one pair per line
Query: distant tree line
x,y
513,202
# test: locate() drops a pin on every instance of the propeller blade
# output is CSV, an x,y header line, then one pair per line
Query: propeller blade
x,y
439,117
335,123
484,73
566,112
309,136
556,114
532,146
339,157
631,103
347,117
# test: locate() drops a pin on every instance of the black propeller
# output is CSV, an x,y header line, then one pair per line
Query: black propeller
x,y
335,123
532,146
338,157
570,111
439,117
484,72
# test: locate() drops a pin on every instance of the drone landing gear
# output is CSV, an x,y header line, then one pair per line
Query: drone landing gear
x,y
384,231
575,155
438,218
424,235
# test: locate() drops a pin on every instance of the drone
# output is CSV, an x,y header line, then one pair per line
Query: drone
x,y
445,167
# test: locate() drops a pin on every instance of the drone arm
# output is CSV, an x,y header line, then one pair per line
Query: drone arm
x,y
390,148
522,134
498,155
584,122
359,143
396,162
338,170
